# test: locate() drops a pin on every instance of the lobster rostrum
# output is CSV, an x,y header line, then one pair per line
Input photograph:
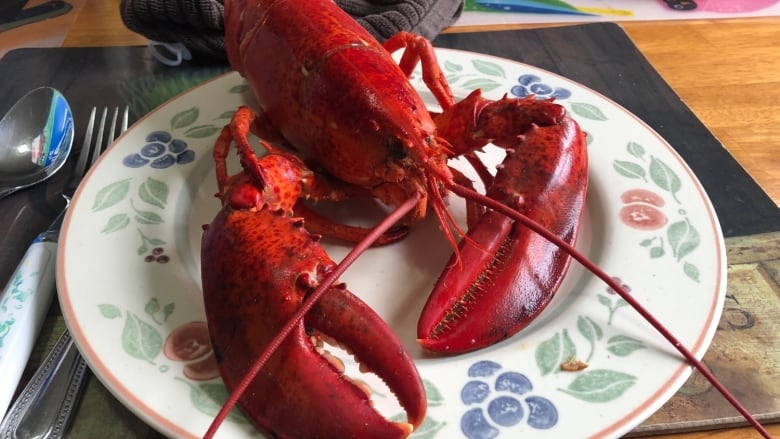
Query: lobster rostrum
x,y
335,98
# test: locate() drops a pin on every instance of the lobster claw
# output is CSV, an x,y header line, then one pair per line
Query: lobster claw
x,y
510,273
258,265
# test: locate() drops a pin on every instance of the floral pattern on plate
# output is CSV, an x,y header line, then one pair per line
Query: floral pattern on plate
x,y
579,369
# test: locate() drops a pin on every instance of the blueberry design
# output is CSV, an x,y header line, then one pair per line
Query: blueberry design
x,y
142,201
488,76
503,399
532,85
160,151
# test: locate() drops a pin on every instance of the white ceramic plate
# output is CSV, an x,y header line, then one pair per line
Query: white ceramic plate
x,y
129,277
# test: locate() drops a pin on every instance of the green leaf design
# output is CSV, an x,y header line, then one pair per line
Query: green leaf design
x,y
426,430
140,340
151,340
116,222
239,88
450,66
147,217
489,68
588,138
683,238
202,131
554,351
629,169
226,115
665,177
111,194
636,150
599,385
152,306
589,329
486,84
109,311
154,192
435,397
452,79
588,111
185,118
208,398
168,310
622,345
691,271
656,252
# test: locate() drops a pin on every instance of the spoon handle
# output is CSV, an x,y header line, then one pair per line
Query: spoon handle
x,y
23,306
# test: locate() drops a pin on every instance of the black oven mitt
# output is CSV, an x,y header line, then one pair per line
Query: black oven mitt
x,y
199,26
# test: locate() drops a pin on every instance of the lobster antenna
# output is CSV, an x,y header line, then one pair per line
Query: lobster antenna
x,y
323,287
590,266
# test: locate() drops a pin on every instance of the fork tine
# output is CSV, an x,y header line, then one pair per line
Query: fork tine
x,y
111,131
99,141
81,165
125,116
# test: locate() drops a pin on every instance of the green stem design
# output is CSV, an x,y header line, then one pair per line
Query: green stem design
x,y
147,241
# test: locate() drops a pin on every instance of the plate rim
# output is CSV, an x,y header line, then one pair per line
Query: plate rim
x,y
653,402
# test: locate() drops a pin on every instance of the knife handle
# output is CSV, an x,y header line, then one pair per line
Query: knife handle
x,y
44,408
23,306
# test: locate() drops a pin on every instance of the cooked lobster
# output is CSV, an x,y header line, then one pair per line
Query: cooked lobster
x,y
347,122
249,299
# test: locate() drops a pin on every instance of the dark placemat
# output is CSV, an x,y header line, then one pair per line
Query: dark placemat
x,y
600,56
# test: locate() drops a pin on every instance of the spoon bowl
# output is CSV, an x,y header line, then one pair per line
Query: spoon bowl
x,y
36,136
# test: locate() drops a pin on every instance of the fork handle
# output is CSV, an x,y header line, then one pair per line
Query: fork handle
x,y
46,405
23,307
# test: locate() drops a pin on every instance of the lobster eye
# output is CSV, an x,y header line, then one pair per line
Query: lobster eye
x,y
396,150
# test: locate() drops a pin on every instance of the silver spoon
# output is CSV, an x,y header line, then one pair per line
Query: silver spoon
x,y
35,139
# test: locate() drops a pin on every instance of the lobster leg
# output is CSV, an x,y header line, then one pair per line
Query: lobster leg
x,y
418,49
512,272
321,225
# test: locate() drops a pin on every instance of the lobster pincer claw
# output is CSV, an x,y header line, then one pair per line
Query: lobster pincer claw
x,y
300,393
473,122
509,273
258,265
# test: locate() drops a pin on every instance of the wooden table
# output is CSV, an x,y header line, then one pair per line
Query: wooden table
x,y
726,71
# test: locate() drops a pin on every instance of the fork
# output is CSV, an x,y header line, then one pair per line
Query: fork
x,y
46,404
